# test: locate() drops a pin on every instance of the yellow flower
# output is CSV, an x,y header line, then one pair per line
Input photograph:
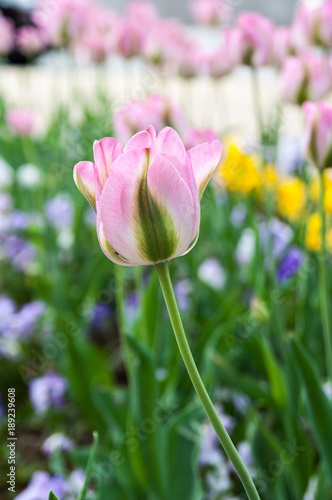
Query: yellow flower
x,y
270,177
291,197
313,233
314,189
238,172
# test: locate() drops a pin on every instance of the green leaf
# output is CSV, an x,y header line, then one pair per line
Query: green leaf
x,y
52,496
89,467
318,406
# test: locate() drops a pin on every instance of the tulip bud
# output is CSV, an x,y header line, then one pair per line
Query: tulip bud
x,y
256,38
318,135
307,77
147,197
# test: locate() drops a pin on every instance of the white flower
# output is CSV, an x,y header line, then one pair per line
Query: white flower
x,y
55,442
246,247
29,175
212,273
6,174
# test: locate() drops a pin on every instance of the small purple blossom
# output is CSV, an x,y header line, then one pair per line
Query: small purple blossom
x,y
132,304
41,484
277,234
59,211
19,252
101,314
182,290
212,273
47,391
290,264
6,202
55,442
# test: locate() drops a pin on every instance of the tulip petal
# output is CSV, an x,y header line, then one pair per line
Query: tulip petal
x,y
105,152
86,179
204,160
118,204
108,249
144,139
177,206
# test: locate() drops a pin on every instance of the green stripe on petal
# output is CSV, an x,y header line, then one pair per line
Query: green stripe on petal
x,y
154,227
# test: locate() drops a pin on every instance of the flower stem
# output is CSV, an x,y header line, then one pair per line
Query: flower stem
x,y
323,284
225,440
257,104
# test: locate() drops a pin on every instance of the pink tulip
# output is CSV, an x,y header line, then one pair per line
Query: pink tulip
x,y
303,28
282,47
210,12
141,11
21,121
307,77
318,134
30,41
147,195
256,38
195,136
62,22
223,59
6,35
138,115
324,24
131,38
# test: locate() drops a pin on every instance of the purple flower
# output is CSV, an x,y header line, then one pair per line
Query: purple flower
x,y
6,202
7,310
41,484
290,264
279,233
59,211
132,303
19,252
24,322
212,273
182,289
47,391
210,446
101,314
55,442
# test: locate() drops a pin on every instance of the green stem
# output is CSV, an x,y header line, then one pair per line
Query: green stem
x,y
323,284
225,440
257,105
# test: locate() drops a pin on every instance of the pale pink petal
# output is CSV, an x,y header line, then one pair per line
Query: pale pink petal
x,y
170,191
105,152
204,160
86,179
118,204
144,139
170,146
107,247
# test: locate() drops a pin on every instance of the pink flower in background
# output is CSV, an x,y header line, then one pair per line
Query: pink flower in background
x,y
30,40
324,24
67,22
318,134
303,27
162,40
147,195
306,77
144,12
99,38
155,110
21,121
211,12
188,59
224,58
131,38
6,35
282,47
256,38
195,136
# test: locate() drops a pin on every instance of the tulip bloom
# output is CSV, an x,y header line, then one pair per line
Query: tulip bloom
x,y
318,135
307,77
256,38
21,121
147,196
